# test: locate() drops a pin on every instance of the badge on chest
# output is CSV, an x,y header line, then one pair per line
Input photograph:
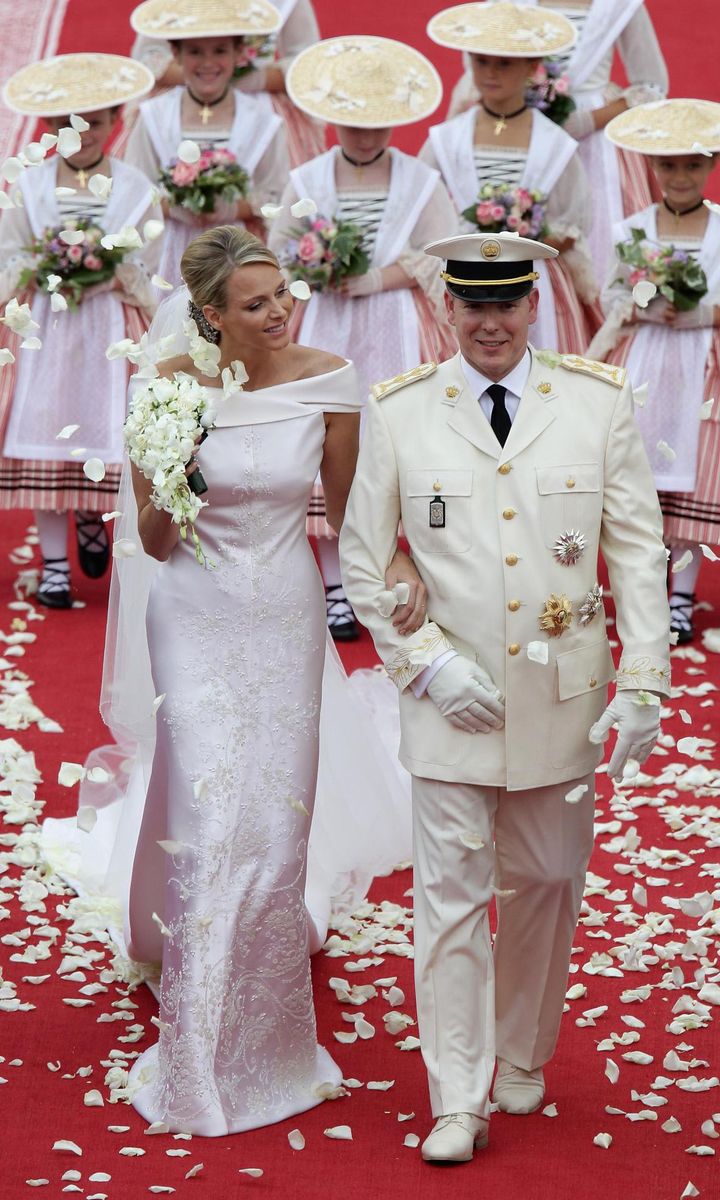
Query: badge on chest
x,y
437,513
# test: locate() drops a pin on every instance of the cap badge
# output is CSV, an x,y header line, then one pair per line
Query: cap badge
x,y
544,389
452,392
491,249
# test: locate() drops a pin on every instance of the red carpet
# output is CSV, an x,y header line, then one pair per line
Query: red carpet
x,y
670,847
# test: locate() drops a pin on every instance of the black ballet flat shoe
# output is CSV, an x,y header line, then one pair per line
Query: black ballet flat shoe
x,y
340,616
93,545
681,617
54,589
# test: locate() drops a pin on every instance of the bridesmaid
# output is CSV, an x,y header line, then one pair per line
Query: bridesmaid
x,y
208,110
503,142
390,318
70,381
676,353
620,183
266,73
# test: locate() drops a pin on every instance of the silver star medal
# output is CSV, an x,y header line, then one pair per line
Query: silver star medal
x,y
570,547
591,605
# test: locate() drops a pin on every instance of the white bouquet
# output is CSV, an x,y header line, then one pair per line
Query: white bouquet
x,y
167,418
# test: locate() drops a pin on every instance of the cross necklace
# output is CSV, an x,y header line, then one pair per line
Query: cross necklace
x,y
206,106
82,174
503,118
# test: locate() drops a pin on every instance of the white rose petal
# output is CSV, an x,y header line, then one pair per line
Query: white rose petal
x,y
538,652
67,431
708,553
79,123
69,142
688,746
63,192
640,395
339,1133
6,357
550,1110
253,1172
412,1141
690,1190
153,229
158,282
86,818
303,208
643,292
71,1147
604,1140
71,237
471,840
131,1151
171,847
157,702
666,451
296,1139
58,303
683,562
575,795
12,169
48,140
271,211
698,148
124,548
93,1099
70,773
5,201
672,1125
188,151
94,469
706,409
701,1151
110,516
300,290
195,1170
31,343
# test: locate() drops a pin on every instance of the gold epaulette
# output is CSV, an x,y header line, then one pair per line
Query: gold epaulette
x,y
380,390
599,370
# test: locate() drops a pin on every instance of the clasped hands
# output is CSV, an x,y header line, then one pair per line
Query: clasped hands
x,y
467,696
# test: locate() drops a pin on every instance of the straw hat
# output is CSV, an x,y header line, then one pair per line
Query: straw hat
x,y
489,268
76,83
502,29
668,127
177,19
369,82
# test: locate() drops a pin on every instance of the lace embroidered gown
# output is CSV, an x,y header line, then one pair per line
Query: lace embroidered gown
x,y
238,651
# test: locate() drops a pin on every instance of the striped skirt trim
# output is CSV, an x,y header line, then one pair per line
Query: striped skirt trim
x,y
575,320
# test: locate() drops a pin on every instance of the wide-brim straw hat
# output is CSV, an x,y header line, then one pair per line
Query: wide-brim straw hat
x,y
179,19
503,29
76,83
668,127
363,81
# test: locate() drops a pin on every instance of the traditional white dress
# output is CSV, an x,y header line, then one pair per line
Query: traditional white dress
x,y
682,369
387,332
305,137
550,165
39,393
620,183
227,781
256,139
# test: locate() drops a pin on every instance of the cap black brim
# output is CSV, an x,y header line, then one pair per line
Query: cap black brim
x,y
498,294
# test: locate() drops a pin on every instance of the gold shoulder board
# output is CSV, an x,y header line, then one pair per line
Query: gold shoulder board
x,y
380,390
599,370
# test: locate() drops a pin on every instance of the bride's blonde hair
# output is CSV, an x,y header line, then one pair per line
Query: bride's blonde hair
x,y
211,258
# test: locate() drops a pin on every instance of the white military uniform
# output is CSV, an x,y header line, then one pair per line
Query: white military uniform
x,y
490,809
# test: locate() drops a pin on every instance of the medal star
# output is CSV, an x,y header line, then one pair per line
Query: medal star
x,y
570,547
557,615
591,605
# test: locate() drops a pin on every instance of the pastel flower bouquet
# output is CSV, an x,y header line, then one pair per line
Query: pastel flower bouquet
x,y
70,259
254,53
198,186
500,209
549,91
322,253
677,274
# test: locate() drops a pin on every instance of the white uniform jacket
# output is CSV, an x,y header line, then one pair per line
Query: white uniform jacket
x,y
573,463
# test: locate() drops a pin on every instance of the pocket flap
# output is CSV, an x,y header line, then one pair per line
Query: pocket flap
x,y
572,478
438,483
584,669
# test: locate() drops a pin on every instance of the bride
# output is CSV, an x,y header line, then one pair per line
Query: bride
x,y
224,798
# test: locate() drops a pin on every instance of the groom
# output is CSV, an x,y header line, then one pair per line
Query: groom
x,y
510,469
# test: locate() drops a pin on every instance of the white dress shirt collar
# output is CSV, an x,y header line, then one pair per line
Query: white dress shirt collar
x,y
514,381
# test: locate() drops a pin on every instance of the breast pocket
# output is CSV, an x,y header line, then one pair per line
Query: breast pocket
x,y
447,528
569,500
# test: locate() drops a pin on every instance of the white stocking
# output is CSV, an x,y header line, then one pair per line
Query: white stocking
x,y
684,581
329,557
52,530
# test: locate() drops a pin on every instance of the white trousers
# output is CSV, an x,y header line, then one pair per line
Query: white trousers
x,y
473,1004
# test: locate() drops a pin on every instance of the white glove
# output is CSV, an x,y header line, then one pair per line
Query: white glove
x,y
363,285
637,716
700,317
658,312
467,696
580,124
642,93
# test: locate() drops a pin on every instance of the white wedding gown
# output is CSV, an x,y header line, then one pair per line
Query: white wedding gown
x,y
218,889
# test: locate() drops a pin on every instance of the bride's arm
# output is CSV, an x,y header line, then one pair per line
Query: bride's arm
x,y
338,463
407,618
158,532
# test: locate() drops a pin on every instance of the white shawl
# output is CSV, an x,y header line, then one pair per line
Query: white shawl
x,y
52,387
254,126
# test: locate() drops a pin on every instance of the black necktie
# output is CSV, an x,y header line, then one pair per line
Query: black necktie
x,y
500,422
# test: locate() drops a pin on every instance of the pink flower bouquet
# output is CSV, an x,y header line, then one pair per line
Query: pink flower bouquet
x,y
677,274
79,266
549,90
500,209
198,186
255,52
323,252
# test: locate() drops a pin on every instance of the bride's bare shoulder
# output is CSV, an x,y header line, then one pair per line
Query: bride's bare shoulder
x,y
180,363
312,362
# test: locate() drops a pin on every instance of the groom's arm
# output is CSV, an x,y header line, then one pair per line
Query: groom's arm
x,y
368,540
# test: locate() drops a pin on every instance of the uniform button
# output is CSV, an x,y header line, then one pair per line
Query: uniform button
x,y
570,483
508,514
514,605
513,649
437,487
505,469
592,682
511,560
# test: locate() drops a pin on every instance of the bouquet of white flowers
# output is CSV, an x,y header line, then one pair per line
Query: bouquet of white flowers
x,y
167,418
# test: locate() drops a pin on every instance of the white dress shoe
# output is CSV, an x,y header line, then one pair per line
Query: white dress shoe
x,y
454,1138
518,1091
